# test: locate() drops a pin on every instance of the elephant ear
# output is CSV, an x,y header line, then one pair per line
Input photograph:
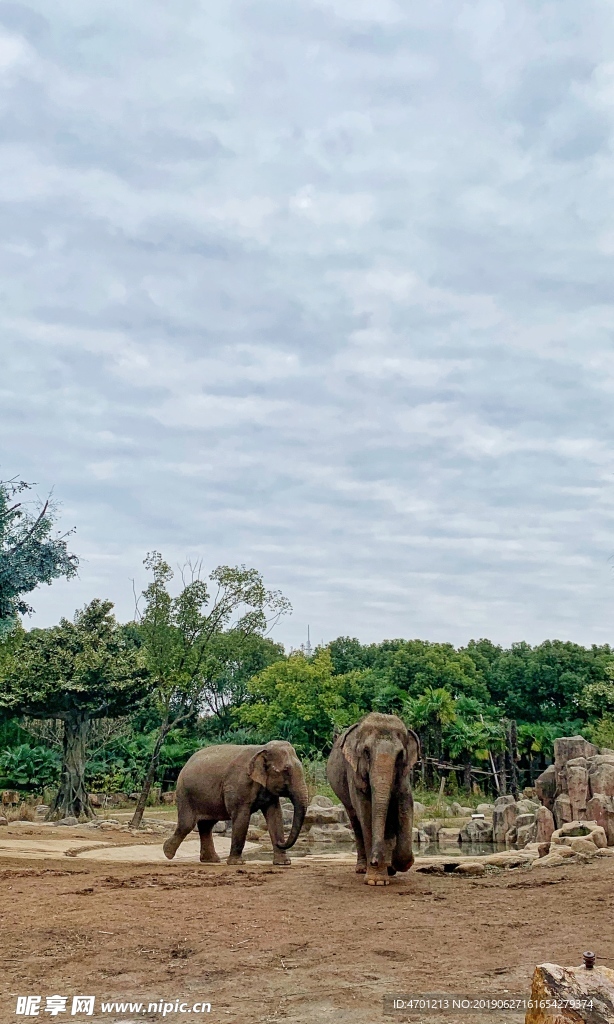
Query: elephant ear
x,y
256,768
348,749
412,746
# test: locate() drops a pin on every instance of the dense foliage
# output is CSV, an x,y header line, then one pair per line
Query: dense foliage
x,y
30,554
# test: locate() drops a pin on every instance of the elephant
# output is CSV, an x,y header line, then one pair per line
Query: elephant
x,y
369,770
229,781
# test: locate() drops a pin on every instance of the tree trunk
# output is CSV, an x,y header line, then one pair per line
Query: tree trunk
x,y
511,755
72,799
149,778
500,762
467,776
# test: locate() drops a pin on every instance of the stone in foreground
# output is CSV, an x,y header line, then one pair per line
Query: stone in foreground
x,y
560,985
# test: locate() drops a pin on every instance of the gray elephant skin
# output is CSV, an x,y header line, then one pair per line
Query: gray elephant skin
x,y
231,782
369,770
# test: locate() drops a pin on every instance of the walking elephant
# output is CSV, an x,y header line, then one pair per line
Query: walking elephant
x,y
369,770
230,782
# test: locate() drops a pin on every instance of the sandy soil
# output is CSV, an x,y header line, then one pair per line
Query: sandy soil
x,y
309,943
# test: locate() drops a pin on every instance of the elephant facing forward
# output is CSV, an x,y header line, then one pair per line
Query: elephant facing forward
x,y
369,770
231,782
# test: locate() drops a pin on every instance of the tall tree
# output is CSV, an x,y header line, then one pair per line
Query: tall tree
x,y
30,553
74,672
183,639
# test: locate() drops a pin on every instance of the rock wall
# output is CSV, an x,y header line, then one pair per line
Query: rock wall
x,y
579,786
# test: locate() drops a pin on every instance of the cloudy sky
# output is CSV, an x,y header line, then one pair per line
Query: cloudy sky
x,y
323,287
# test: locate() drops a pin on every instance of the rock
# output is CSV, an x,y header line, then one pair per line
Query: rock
x,y
471,868
503,817
419,836
545,787
486,809
220,827
583,829
530,792
448,835
606,851
600,808
431,828
10,797
3,820
567,748
458,810
40,810
96,799
170,797
524,819
601,778
511,836
526,834
503,801
133,796
551,860
105,823
320,801
544,820
317,815
476,831
577,787
254,834
334,833
69,820
528,806
258,820
510,859
580,845
543,848
562,810
419,808
554,985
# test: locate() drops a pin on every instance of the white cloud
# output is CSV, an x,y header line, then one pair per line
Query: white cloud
x,y
324,288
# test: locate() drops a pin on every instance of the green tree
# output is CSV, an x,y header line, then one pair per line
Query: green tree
x,y
418,666
429,714
301,700
30,553
74,672
184,643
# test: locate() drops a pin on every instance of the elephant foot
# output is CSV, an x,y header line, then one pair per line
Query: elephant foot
x,y
281,863
377,876
361,867
235,859
169,850
392,871
213,859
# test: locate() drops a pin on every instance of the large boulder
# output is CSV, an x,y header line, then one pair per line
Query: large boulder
x,y
430,829
419,808
448,836
579,829
601,776
485,809
476,831
545,786
526,806
600,808
318,815
562,809
559,993
319,801
566,748
526,834
544,819
503,817
576,777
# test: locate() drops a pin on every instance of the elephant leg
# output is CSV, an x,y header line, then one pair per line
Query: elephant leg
x,y
403,854
275,825
240,825
207,849
361,854
185,824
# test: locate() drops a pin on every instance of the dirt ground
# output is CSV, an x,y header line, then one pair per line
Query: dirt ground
x,y
308,943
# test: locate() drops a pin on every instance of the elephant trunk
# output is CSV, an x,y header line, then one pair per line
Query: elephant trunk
x,y
381,778
300,799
